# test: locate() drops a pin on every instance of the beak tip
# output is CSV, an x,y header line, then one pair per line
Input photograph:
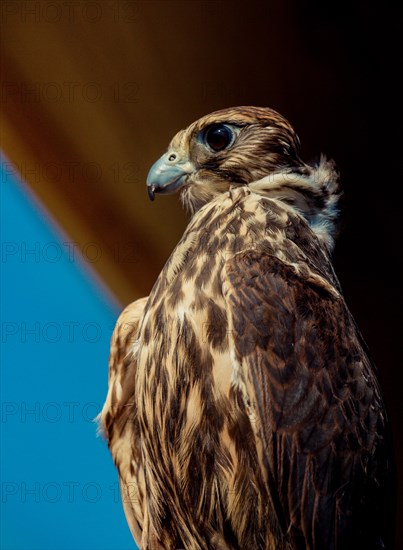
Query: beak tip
x,y
151,192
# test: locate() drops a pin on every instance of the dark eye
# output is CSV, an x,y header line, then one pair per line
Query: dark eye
x,y
218,137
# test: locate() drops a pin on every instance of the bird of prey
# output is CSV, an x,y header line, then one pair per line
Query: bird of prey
x,y
243,411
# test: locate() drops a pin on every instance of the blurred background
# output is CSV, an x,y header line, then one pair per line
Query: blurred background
x,y
91,94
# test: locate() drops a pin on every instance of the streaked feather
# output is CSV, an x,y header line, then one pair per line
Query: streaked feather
x,y
242,405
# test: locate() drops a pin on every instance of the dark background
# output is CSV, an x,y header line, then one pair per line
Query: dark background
x,y
92,92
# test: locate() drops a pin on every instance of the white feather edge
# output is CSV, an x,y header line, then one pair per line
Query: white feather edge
x,y
320,182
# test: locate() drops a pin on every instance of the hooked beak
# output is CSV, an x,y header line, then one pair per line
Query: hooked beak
x,y
167,176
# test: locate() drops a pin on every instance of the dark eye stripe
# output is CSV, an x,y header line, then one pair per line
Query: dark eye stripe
x,y
218,137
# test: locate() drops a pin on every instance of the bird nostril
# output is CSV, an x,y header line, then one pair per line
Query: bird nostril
x,y
172,157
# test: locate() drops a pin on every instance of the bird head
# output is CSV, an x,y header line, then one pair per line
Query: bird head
x,y
235,146
254,147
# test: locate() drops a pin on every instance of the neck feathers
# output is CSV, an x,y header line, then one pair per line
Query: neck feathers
x,y
313,192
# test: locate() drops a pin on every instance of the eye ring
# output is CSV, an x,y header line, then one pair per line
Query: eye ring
x,y
218,137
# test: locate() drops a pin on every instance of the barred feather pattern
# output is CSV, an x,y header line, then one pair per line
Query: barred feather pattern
x,y
118,419
242,406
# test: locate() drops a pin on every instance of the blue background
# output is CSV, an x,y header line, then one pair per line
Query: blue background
x,y
59,485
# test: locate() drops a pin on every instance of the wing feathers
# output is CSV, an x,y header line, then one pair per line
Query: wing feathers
x,y
310,383
119,416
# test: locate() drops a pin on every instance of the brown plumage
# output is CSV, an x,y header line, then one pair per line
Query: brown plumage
x,y
243,411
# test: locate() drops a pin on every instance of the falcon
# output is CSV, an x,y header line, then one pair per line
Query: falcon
x,y
243,410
